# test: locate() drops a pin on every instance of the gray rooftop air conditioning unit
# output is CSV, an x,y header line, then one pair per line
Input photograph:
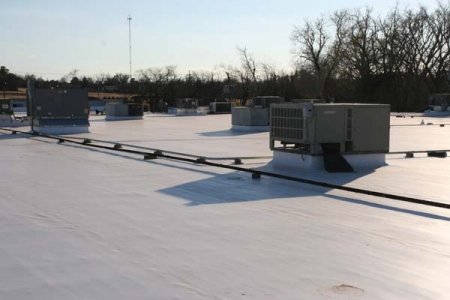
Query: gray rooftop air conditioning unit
x,y
6,107
220,107
58,110
309,128
257,114
6,112
265,101
116,110
123,111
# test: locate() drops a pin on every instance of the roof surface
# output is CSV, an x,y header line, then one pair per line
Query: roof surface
x,y
83,223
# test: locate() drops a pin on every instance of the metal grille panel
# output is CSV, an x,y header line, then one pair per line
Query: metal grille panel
x,y
287,123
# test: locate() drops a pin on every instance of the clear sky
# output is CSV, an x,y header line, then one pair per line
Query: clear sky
x,y
50,38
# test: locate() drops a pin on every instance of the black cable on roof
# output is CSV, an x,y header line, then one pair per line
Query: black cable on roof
x,y
255,173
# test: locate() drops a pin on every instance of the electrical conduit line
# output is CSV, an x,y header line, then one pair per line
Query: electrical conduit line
x,y
232,157
255,173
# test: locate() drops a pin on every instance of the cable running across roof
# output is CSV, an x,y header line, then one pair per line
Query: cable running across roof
x,y
255,173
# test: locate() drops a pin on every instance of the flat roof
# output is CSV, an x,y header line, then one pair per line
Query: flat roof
x,y
85,223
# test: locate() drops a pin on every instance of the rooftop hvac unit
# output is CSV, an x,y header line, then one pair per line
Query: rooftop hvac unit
x,y
309,128
6,112
257,114
116,110
7,117
63,109
249,116
266,101
187,103
5,107
135,110
220,107
122,111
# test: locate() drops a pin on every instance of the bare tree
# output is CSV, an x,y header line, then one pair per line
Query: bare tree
x,y
360,57
311,41
269,83
240,78
70,76
437,60
245,76
316,50
158,82
390,41
248,63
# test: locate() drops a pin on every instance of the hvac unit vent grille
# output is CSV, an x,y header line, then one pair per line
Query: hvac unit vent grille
x,y
349,124
287,123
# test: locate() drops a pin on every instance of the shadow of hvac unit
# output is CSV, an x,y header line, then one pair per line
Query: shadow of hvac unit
x,y
256,114
334,131
121,111
58,111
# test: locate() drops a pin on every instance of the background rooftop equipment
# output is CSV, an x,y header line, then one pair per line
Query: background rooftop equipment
x,y
265,101
307,100
122,111
58,110
188,106
7,116
220,107
189,103
257,114
440,102
5,107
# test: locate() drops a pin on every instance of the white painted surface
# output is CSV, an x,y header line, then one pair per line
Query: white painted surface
x,y
61,130
309,163
80,223
297,161
9,121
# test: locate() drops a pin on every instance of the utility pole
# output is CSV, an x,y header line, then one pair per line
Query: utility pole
x,y
129,37
189,84
4,71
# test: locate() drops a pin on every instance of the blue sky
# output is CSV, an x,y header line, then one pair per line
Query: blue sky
x,y
50,38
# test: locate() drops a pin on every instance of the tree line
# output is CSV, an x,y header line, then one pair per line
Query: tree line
x,y
350,56
399,59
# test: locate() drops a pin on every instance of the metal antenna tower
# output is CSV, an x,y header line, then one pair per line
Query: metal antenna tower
x,y
129,37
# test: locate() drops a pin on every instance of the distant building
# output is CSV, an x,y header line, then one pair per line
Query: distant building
x,y
110,88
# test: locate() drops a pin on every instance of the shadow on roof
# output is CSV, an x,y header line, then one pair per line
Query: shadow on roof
x,y
240,187
9,136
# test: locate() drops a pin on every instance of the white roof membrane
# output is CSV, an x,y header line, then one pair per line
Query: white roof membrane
x,y
84,223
